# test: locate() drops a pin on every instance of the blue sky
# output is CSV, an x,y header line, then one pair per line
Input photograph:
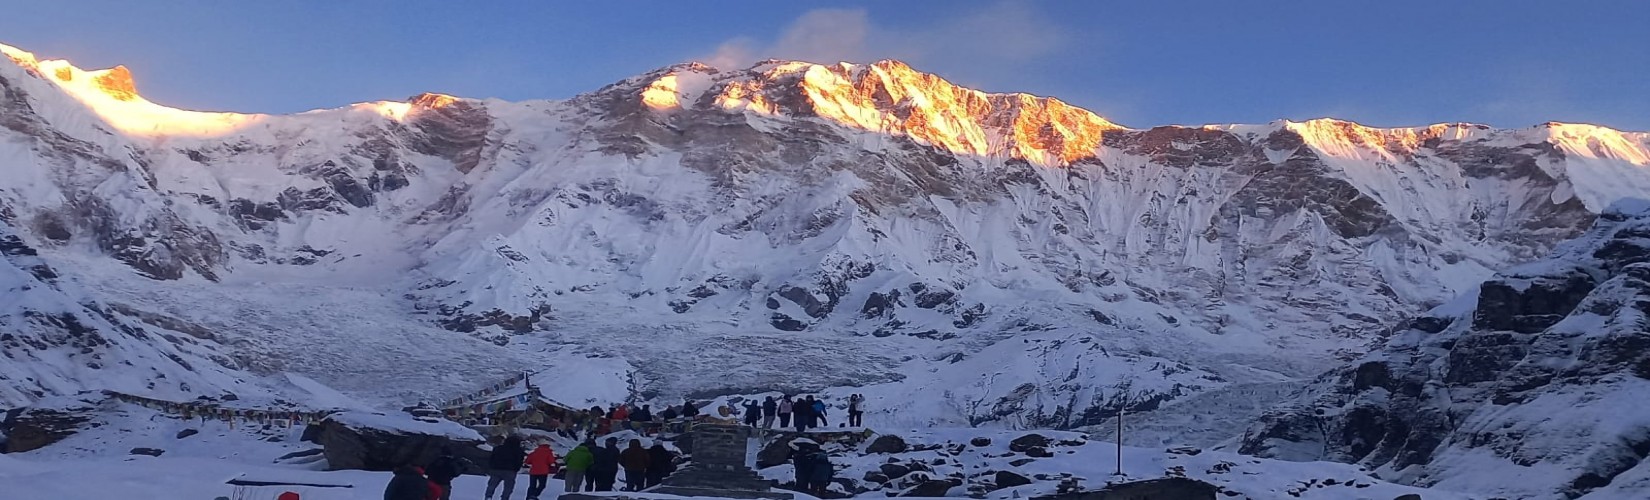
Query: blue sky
x,y
1385,63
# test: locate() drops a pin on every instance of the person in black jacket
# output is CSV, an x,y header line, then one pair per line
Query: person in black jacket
x,y
753,413
444,469
661,463
503,465
801,412
408,484
770,409
605,471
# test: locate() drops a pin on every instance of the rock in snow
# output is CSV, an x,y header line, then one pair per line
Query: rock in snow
x,y
357,440
887,443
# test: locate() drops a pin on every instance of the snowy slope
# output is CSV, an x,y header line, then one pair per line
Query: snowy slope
x,y
994,259
1531,386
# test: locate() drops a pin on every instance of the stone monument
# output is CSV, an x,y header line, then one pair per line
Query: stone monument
x,y
719,467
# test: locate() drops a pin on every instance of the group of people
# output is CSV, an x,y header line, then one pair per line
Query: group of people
x,y
806,413
589,467
597,421
586,467
593,468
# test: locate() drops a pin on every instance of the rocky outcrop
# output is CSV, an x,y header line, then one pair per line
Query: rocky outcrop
x,y
381,443
28,429
1483,377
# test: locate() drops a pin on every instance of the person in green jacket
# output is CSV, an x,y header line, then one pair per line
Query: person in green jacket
x,y
578,461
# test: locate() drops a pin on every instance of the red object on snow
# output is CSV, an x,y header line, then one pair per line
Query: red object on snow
x,y
290,495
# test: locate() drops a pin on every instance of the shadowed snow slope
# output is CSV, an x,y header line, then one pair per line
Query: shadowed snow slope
x,y
994,259
1543,370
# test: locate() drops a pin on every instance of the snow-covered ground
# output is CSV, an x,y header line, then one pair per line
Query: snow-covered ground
x,y
96,464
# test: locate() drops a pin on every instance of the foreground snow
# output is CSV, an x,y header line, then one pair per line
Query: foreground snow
x,y
94,465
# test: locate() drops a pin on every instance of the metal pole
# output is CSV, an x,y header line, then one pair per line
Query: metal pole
x,y
1121,409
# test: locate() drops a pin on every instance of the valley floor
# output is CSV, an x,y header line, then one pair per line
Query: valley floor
x,y
95,464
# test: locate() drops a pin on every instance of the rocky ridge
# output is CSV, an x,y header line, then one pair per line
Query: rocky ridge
x,y
1537,371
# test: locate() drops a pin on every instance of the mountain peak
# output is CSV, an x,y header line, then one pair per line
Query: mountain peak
x,y
889,96
116,82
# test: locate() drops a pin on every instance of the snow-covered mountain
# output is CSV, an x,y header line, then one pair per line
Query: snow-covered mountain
x,y
1539,371
966,257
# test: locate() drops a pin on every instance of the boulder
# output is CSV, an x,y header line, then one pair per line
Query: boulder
x,y
29,429
1039,452
1022,461
376,442
876,477
153,452
1408,496
887,443
1006,479
980,442
776,452
894,471
187,432
1027,442
932,488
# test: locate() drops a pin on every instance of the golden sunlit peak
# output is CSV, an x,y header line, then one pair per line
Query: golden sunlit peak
x,y
116,82
22,58
433,100
112,95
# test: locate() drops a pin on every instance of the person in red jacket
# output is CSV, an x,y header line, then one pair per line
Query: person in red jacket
x,y
541,463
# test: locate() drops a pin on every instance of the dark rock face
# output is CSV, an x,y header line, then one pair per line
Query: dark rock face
x,y
1530,304
887,443
153,452
980,442
458,320
450,128
382,450
1566,334
255,215
29,429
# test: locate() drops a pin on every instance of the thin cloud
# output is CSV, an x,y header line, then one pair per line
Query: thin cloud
x,y
1003,35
